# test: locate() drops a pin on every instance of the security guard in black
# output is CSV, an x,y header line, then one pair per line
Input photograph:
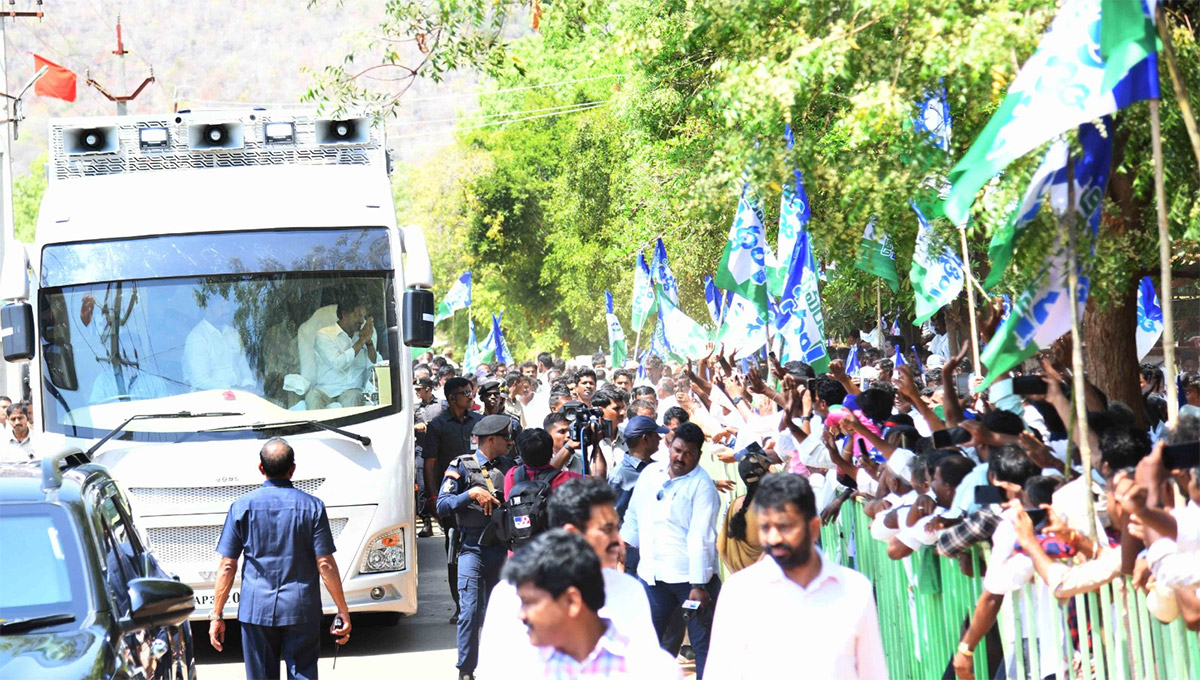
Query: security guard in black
x,y
472,488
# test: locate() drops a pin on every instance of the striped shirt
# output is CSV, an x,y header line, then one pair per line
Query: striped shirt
x,y
614,656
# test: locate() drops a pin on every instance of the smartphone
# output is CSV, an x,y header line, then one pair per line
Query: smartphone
x,y
1038,515
950,437
1183,456
962,384
811,386
988,494
1029,384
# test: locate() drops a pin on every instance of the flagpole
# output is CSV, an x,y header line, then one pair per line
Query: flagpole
x,y
637,342
879,312
1078,386
1164,261
1181,95
978,370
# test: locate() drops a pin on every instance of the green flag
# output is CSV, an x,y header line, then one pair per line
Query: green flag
x,y
616,335
876,256
743,267
1127,37
643,294
1062,86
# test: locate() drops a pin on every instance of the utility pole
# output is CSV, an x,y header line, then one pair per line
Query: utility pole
x,y
121,100
10,374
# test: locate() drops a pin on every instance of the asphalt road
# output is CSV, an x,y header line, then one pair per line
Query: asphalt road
x,y
425,641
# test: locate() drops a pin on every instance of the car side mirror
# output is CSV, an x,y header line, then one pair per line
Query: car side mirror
x,y
17,321
418,317
155,602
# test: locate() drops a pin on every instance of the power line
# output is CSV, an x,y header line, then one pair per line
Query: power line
x,y
497,115
513,89
428,133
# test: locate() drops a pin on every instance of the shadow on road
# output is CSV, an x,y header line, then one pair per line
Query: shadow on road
x,y
429,630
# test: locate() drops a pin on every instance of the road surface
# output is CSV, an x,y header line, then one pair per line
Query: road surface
x,y
425,641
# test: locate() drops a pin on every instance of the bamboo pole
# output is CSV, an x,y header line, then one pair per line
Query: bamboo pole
x,y
1077,382
1164,261
978,370
1181,95
879,313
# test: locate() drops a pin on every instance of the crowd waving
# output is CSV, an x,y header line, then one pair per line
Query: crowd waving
x,y
644,525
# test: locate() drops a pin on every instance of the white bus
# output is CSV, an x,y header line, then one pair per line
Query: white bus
x,y
184,268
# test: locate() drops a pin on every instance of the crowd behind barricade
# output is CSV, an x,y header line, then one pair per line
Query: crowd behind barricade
x,y
639,461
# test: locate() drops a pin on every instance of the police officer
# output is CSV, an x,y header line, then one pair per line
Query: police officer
x,y
473,487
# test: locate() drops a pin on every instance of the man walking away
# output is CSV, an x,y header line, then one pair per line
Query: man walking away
x,y
558,579
285,536
829,610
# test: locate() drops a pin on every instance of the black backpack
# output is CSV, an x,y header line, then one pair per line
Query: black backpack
x,y
524,513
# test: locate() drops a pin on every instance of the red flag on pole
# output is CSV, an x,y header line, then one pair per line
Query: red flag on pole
x,y
58,81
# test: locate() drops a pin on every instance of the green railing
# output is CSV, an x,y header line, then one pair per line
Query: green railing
x,y
925,599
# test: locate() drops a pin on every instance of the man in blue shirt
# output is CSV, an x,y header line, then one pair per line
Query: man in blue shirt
x,y
472,489
284,534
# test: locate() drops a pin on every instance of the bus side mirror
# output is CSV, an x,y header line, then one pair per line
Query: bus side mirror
x,y
418,317
16,327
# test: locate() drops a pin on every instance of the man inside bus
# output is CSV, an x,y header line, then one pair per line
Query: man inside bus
x,y
213,357
345,352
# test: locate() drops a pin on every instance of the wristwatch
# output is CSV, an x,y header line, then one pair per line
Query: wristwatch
x,y
215,616
964,649
736,401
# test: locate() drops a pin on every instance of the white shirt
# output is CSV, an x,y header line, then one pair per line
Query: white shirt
x,y
19,451
940,345
677,535
504,641
213,359
338,367
832,628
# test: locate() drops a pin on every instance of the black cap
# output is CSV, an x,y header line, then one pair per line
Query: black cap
x,y
492,425
489,386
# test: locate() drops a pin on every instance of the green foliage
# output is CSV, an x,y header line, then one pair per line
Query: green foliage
x,y
559,209
27,199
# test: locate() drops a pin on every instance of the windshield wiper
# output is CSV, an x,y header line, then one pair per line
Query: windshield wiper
x,y
259,427
152,416
33,622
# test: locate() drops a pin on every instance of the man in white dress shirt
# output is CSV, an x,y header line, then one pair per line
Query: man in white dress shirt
x,y
587,507
827,610
344,353
672,521
213,357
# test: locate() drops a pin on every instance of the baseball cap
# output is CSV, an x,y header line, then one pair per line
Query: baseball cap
x,y
641,425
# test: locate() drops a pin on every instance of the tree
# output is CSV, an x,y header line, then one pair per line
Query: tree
x,y
705,93
27,199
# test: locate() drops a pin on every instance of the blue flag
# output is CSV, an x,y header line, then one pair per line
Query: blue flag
x,y
801,318
712,298
900,358
852,365
1149,318
459,297
501,346
663,277
933,118
917,360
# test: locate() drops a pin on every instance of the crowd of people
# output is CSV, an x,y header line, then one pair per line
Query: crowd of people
x,y
637,535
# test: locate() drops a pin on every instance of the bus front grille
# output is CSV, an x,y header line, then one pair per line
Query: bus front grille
x,y
198,544
204,495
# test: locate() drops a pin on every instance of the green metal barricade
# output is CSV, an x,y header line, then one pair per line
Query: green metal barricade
x,y
924,601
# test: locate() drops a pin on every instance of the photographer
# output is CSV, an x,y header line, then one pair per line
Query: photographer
x,y
569,453
613,402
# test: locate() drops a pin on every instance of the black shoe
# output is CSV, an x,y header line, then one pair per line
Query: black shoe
x,y
454,619
425,532
687,652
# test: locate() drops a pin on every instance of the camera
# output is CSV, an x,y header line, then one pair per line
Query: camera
x,y
581,418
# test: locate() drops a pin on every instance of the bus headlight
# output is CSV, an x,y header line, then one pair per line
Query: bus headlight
x,y
385,552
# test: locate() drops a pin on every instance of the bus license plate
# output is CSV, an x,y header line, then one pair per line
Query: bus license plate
x,y
206,598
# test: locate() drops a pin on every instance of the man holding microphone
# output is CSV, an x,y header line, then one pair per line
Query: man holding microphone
x,y
284,534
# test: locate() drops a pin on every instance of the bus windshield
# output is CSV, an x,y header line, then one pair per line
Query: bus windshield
x,y
230,324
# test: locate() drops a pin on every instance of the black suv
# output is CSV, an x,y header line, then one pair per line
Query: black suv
x,y
80,594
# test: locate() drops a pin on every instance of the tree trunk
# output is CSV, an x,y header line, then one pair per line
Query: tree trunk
x,y
1110,350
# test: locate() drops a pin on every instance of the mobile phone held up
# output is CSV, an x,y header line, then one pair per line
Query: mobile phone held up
x,y
950,437
1182,456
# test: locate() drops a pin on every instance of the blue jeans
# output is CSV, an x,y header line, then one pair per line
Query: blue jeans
x,y
665,598
297,646
478,571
